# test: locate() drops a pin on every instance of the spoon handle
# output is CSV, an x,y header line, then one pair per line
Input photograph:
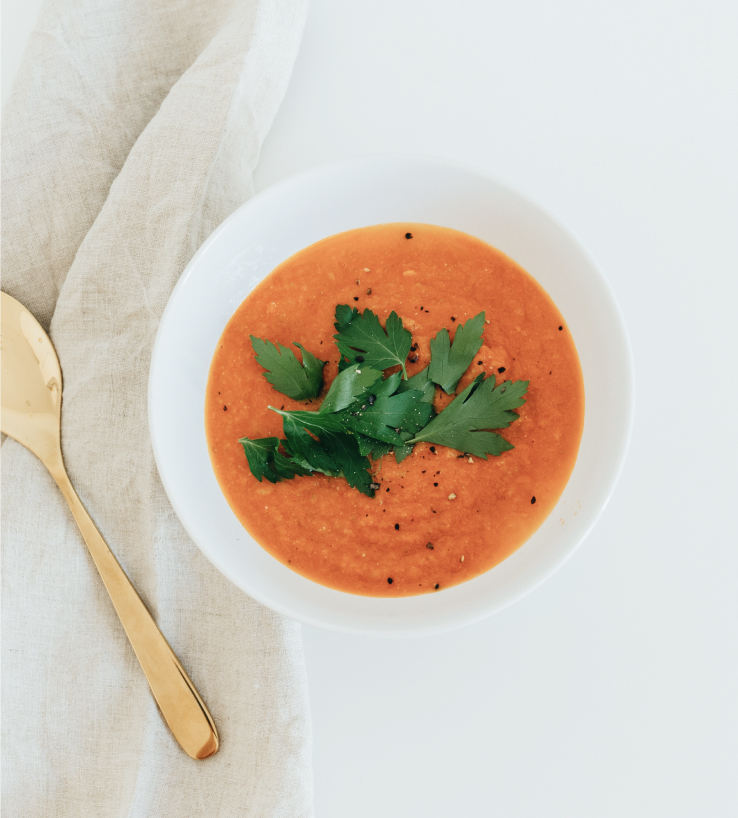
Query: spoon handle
x,y
180,703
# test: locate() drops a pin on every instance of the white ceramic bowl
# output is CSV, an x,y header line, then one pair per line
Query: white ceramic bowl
x,y
357,193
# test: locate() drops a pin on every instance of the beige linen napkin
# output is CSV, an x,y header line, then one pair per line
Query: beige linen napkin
x,y
132,131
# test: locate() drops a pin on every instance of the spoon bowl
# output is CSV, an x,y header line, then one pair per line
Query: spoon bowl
x,y
31,382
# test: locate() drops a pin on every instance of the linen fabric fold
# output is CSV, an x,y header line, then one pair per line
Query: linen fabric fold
x,y
131,132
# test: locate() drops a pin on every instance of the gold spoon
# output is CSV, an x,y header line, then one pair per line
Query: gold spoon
x,y
31,413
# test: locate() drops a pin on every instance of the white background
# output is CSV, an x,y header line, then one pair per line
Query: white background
x,y
613,689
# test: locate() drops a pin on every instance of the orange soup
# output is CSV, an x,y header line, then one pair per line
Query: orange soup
x,y
440,517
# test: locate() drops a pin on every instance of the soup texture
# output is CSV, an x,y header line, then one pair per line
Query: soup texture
x,y
439,517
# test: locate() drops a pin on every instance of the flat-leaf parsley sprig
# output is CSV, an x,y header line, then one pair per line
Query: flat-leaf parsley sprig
x,y
361,339
481,406
365,413
285,373
449,362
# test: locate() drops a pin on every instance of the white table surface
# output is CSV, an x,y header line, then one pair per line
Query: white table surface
x,y
613,689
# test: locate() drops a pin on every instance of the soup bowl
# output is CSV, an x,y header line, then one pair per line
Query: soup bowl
x,y
308,207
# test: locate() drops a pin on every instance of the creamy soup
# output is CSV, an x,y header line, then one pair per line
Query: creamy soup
x,y
439,517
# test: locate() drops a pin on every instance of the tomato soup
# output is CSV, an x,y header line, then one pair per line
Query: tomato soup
x,y
440,517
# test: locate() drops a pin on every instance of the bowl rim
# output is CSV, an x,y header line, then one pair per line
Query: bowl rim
x,y
627,380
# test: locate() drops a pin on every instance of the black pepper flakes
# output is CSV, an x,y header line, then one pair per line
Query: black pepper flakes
x,y
429,545
389,579
453,317
397,526
479,363
532,500
356,298
225,408
437,586
408,235
369,291
560,328
433,449
501,370
435,484
359,359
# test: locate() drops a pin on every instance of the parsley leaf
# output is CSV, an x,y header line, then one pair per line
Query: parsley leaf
x,y
479,407
425,386
298,380
266,461
401,452
348,385
344,316
260,453
388,413
375,448
305,464
315,422
362,339
448,363
287,468
335,452
306,448
355,468
422,382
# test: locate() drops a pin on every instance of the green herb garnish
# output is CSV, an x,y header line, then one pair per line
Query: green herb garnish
x,y
306,448
479,407
344,450
348,386
401,452
361,339
449,362
312,465
298,380
365,413
386,413
333,453
375,448
381,420
266,461
423,383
